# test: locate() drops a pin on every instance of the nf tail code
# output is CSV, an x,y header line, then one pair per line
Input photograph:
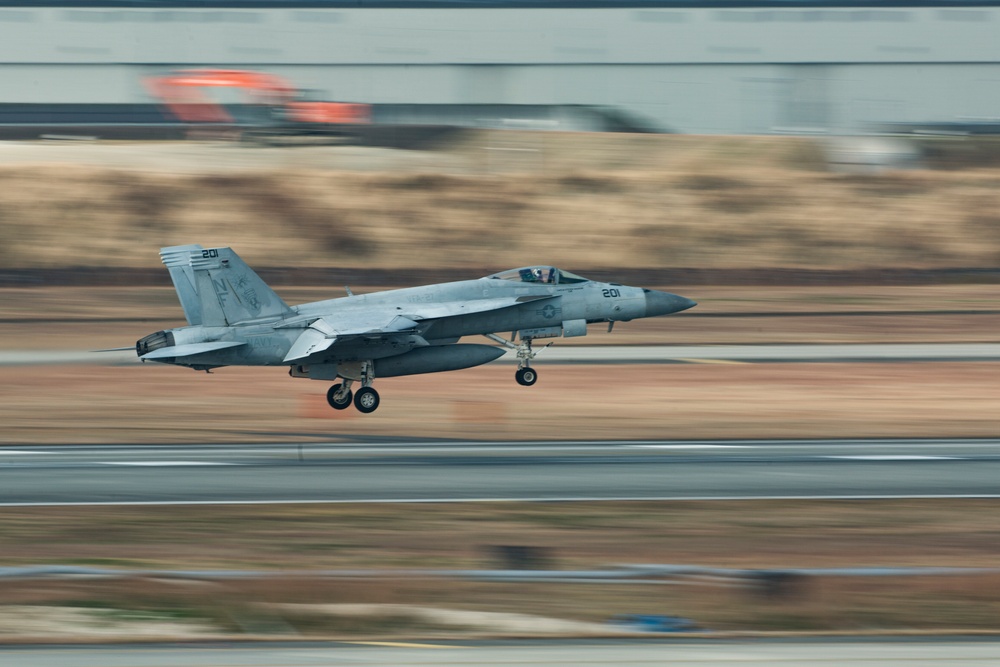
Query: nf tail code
x,y
217,288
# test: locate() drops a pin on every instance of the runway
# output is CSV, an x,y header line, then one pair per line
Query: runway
x,y
594,653
447,471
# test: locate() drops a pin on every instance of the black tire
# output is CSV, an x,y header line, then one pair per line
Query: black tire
x,y
366,400
526,376
332,400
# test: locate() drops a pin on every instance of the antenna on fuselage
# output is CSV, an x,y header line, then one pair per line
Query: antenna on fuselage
x,y
347,288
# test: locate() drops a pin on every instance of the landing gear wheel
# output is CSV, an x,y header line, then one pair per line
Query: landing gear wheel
x,y
331,398
526,376
366,400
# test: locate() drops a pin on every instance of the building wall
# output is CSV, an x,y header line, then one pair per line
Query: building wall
x,y
703,70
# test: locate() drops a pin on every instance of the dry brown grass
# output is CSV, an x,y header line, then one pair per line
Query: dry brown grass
x,y
770,535
585,202
582,535
159,404
295,606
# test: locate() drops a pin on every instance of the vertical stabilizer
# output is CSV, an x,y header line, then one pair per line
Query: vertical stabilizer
x,y
177,259
219,288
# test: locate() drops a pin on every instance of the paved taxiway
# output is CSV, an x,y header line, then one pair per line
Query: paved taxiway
x,y
680,653
428,471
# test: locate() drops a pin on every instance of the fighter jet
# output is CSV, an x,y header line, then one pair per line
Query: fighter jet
x,y
235,319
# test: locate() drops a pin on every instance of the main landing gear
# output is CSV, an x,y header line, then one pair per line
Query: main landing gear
x,y
525,375
366,400
339,395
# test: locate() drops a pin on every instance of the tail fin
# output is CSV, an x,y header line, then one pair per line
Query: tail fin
x,y
178,263
217,288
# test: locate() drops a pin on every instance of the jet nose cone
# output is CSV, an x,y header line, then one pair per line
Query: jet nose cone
x,y
664,303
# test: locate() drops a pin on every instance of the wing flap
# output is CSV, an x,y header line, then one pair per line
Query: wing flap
x,y
310,342
189,350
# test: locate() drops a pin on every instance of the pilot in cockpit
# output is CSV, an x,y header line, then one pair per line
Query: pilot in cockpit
x,y
547,275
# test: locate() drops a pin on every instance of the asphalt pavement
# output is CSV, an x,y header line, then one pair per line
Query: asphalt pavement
x,y
594,653
442,471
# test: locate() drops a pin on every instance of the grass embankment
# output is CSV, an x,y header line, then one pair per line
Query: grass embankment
x,y
580,201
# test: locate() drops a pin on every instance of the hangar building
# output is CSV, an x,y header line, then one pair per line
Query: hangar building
x,y
688,66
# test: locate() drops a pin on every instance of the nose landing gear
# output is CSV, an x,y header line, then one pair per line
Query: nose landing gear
x,y
525,375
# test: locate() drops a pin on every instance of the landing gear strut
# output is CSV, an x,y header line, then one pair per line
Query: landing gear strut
x,y
366,400
525,375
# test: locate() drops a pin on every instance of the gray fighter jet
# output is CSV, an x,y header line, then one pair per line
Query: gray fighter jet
x,y
237,320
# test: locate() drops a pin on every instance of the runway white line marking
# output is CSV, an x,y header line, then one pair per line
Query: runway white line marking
x,y
896,457
164,464
402,644
699,446
713,361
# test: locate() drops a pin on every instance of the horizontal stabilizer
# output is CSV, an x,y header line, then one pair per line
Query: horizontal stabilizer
x,y
189,350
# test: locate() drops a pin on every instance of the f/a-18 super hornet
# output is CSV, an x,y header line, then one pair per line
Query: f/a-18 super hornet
x,y
235,319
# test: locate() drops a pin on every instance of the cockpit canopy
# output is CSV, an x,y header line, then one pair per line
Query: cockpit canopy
x,y
548,275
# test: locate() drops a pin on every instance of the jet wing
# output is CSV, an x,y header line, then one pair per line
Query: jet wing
x,y
323,333
383,323
434,311
189,350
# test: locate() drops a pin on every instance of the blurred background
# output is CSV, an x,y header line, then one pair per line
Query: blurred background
x,y
487,130
690,67
810,172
